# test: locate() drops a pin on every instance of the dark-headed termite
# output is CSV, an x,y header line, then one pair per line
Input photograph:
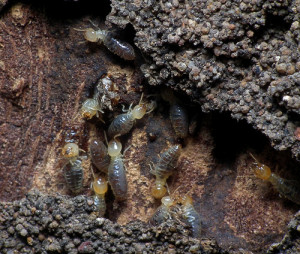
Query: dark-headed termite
x,y
73,174
99,155
123,123
116,170
163,169
163,212
116,46
190,216
100,187
289,189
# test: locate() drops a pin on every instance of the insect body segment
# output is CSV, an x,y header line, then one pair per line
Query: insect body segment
x,y
116,46
73,173
100,188
90,108
163,212
287,188
99,155
116,170
163,169
178,114
123,123
179,120
190,216
74,176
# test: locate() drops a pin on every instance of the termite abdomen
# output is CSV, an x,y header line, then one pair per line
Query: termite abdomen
x,y
289,189
100,205
100,188
122,124
120,48
168,161
191,216
164,168
117,178
74,176
99,155
179,120
163,212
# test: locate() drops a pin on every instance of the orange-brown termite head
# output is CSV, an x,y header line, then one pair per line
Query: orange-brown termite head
x,y
70,151
260,170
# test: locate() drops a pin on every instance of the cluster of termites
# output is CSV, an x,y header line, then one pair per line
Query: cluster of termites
x,y
108,158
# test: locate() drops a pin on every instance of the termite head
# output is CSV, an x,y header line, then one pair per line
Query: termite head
x,y
114,148
90,108
100,186
186,200
139,111
260,170
167,201
159,190
91,35
70,150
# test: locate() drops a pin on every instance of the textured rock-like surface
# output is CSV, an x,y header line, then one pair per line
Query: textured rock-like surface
x,y
290,244
47,224
236,56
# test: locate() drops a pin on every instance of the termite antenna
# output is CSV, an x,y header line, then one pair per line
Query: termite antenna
x,y
141,98
126,149
94,24
253,157
93,174
80,30
168,190
105,137
174,192
118,135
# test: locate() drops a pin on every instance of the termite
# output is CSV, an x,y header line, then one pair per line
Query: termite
x,y
116,170
190,216
92,107
100,187
116,46
163,212
287,188
74,174
99,155
179,120
123,123
163,169
178,114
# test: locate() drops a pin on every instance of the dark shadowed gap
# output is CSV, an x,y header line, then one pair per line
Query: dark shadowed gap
x,y
68,9
232,138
